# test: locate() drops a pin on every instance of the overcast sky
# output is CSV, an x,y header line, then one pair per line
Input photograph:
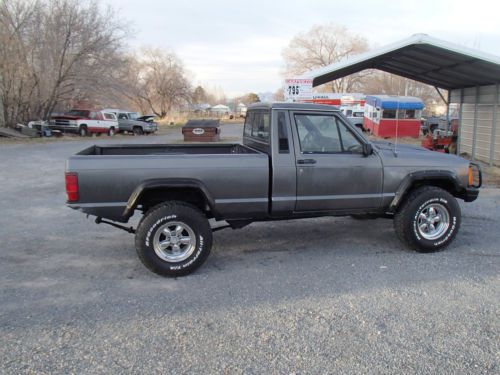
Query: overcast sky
x,y
237,45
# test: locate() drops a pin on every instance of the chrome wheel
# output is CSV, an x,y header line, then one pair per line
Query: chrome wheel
x,y
174,241
433,221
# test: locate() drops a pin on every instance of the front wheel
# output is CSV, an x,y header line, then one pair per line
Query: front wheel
x,y
83,131
138,130
111,132
428,220
173,239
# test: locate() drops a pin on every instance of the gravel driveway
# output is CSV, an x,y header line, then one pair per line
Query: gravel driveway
x,y
328,295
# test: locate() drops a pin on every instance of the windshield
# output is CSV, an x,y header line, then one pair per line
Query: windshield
x,y
78,113
133,116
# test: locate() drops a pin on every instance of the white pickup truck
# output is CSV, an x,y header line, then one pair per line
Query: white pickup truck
x,y
85,122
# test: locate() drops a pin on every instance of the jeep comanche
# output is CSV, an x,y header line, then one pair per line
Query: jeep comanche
x,y
296,161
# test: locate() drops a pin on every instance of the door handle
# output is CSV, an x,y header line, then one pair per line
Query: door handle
x,y
306,161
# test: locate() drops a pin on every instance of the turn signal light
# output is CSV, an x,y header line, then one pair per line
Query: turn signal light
x,y
72,187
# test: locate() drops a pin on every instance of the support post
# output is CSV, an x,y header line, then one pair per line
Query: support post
x,y
460,122
494,126
447,102
448,125
474,131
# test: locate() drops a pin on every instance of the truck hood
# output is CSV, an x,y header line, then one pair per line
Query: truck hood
x,y
384,145
67,117
416,156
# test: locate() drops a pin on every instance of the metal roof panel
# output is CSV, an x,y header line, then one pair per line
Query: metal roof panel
x,y
422,58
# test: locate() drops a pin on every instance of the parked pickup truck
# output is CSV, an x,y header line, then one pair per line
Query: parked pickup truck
x,y
131,122
85,122
296,161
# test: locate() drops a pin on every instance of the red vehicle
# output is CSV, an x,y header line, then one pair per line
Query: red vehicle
x,y
390,116
442,140
85,122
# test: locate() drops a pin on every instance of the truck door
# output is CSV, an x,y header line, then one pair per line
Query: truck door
x,y
93,122
332,171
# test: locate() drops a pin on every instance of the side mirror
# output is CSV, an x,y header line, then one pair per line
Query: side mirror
x,y
367,149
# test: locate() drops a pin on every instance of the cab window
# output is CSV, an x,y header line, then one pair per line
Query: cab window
x,y
325,134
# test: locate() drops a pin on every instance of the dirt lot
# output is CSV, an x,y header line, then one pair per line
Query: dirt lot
x,y
329,295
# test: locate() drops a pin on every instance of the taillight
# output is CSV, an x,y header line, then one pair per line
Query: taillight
x,y
471,176
72,187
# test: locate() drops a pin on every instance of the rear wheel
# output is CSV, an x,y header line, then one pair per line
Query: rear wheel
x,y
138,130
173,239
428,220
83,131
111,131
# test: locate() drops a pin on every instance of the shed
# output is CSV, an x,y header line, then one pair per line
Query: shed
x,y
220,108
471,77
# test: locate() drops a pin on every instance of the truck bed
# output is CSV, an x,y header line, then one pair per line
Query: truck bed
x,y
235,176
169,149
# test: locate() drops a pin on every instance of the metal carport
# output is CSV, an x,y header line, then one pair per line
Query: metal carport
x,y
471,77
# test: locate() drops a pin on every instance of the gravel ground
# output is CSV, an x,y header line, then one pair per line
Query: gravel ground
x,y
329,295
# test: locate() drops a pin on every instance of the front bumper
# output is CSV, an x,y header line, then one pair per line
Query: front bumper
x,y
472,191
64,128
471,194
150,128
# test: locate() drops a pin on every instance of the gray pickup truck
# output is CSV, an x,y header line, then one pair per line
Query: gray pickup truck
x,y
130,122
296,161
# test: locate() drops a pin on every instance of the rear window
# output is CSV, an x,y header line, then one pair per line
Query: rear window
x,y
257,125
109,116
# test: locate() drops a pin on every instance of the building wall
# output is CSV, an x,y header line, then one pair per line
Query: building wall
x,y
479,128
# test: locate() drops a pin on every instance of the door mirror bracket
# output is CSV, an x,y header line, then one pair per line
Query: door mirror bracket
x,y
367,149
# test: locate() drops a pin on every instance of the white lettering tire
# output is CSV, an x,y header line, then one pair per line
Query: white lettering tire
x,y
173,239
428,220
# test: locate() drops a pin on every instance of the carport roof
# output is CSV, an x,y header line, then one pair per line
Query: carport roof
x,y
421,58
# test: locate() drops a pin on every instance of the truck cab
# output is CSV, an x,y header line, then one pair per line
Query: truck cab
x,y
319,163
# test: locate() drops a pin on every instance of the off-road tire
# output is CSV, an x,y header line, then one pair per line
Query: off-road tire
x,y
138,130
406,218
162,214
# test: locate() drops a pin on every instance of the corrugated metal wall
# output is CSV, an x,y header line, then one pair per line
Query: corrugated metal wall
x,y
479,130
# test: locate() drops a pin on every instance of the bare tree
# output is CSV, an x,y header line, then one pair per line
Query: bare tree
x,y
162,82
54,52
321,46
199,95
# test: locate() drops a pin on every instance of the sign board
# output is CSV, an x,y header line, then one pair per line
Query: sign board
x,y
198,131
298,89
